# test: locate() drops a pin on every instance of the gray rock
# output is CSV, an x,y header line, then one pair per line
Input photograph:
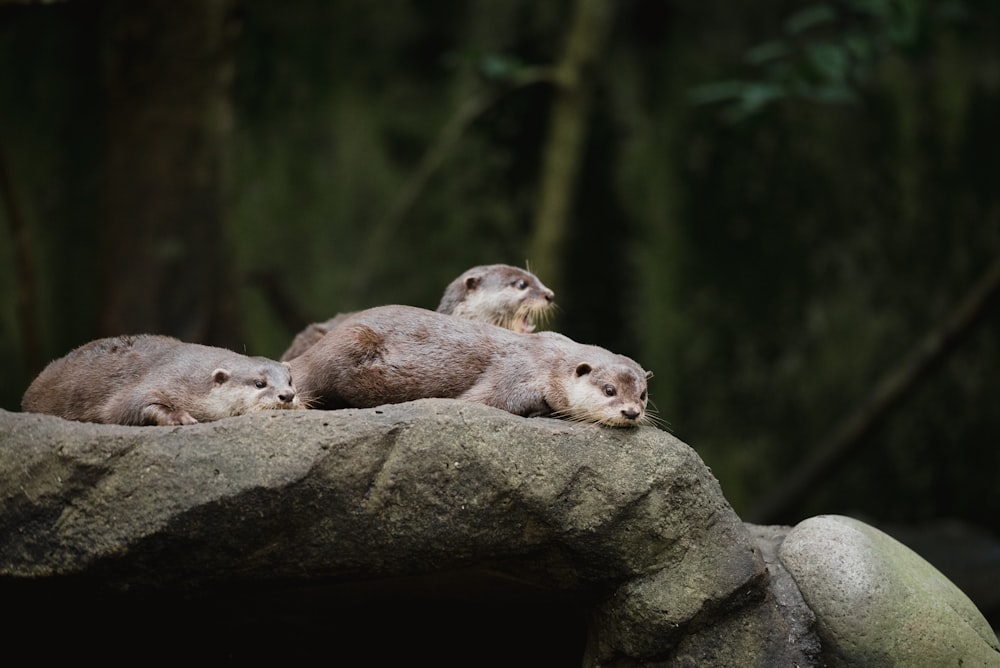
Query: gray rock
x,y
628,525
966,554
462,533
878,603
798,618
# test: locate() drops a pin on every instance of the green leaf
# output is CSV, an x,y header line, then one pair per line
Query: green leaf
x,y
831,61
809,17
758,94
498,65
718,91
837,93
767,51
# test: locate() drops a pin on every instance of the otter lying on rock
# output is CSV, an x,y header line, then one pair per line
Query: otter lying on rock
x,y
500,294
158,380
392,354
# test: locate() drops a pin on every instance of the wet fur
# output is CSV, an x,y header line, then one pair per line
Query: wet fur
x,y
150,379
393,354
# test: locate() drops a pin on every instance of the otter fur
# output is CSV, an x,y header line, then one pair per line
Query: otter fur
x,y
501,294
392,354
157,380
505,296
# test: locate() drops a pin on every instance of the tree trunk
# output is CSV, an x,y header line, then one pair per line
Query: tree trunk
x,y
567,130
27,286
166,264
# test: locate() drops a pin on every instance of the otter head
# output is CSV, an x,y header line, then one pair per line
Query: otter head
x,y
499,294
264,385
612,394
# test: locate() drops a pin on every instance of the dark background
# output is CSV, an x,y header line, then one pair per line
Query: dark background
x,y
774,206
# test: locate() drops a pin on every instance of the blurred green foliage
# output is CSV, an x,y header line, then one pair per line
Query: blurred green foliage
x,y
776,203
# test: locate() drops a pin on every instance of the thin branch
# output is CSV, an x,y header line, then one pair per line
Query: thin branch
x,y
894,388
567,130
430,163
274,290
27,315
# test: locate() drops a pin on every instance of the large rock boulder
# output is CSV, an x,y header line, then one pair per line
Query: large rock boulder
x,y
622,536
437,532
878,603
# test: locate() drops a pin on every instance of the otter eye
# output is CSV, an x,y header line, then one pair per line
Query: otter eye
x,y
642,397
520,284
261,384
609,390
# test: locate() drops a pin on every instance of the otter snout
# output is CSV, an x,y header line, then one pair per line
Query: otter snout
x,y
287,397
631,413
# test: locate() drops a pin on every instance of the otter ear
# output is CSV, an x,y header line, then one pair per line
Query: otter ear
x,y
220,376
472,282
582,369
649,374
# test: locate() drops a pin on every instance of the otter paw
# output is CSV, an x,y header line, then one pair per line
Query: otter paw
x,y
158,414
181,417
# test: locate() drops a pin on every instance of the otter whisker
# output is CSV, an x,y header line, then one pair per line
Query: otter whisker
x,y
594,417
307,400
575,416
537,314
653,414
546,312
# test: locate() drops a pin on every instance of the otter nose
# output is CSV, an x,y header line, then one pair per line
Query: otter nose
x,y
630,413
549,295
287,396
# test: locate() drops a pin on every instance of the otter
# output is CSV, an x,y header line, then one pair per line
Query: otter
x,y
149,379
392,354
506,296
501,294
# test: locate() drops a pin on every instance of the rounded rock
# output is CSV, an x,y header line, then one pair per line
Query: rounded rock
x,y
878,603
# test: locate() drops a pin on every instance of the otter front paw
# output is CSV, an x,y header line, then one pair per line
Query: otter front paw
x,y
158,414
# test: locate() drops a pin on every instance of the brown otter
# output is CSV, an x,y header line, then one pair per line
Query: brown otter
x,y
506,296
392,354
157,380
501,294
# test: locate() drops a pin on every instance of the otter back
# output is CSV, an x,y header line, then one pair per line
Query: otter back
x,y
149,379
500,294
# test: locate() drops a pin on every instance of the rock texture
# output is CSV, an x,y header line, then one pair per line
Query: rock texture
x,y
436,532
966,554
880,604
626,530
